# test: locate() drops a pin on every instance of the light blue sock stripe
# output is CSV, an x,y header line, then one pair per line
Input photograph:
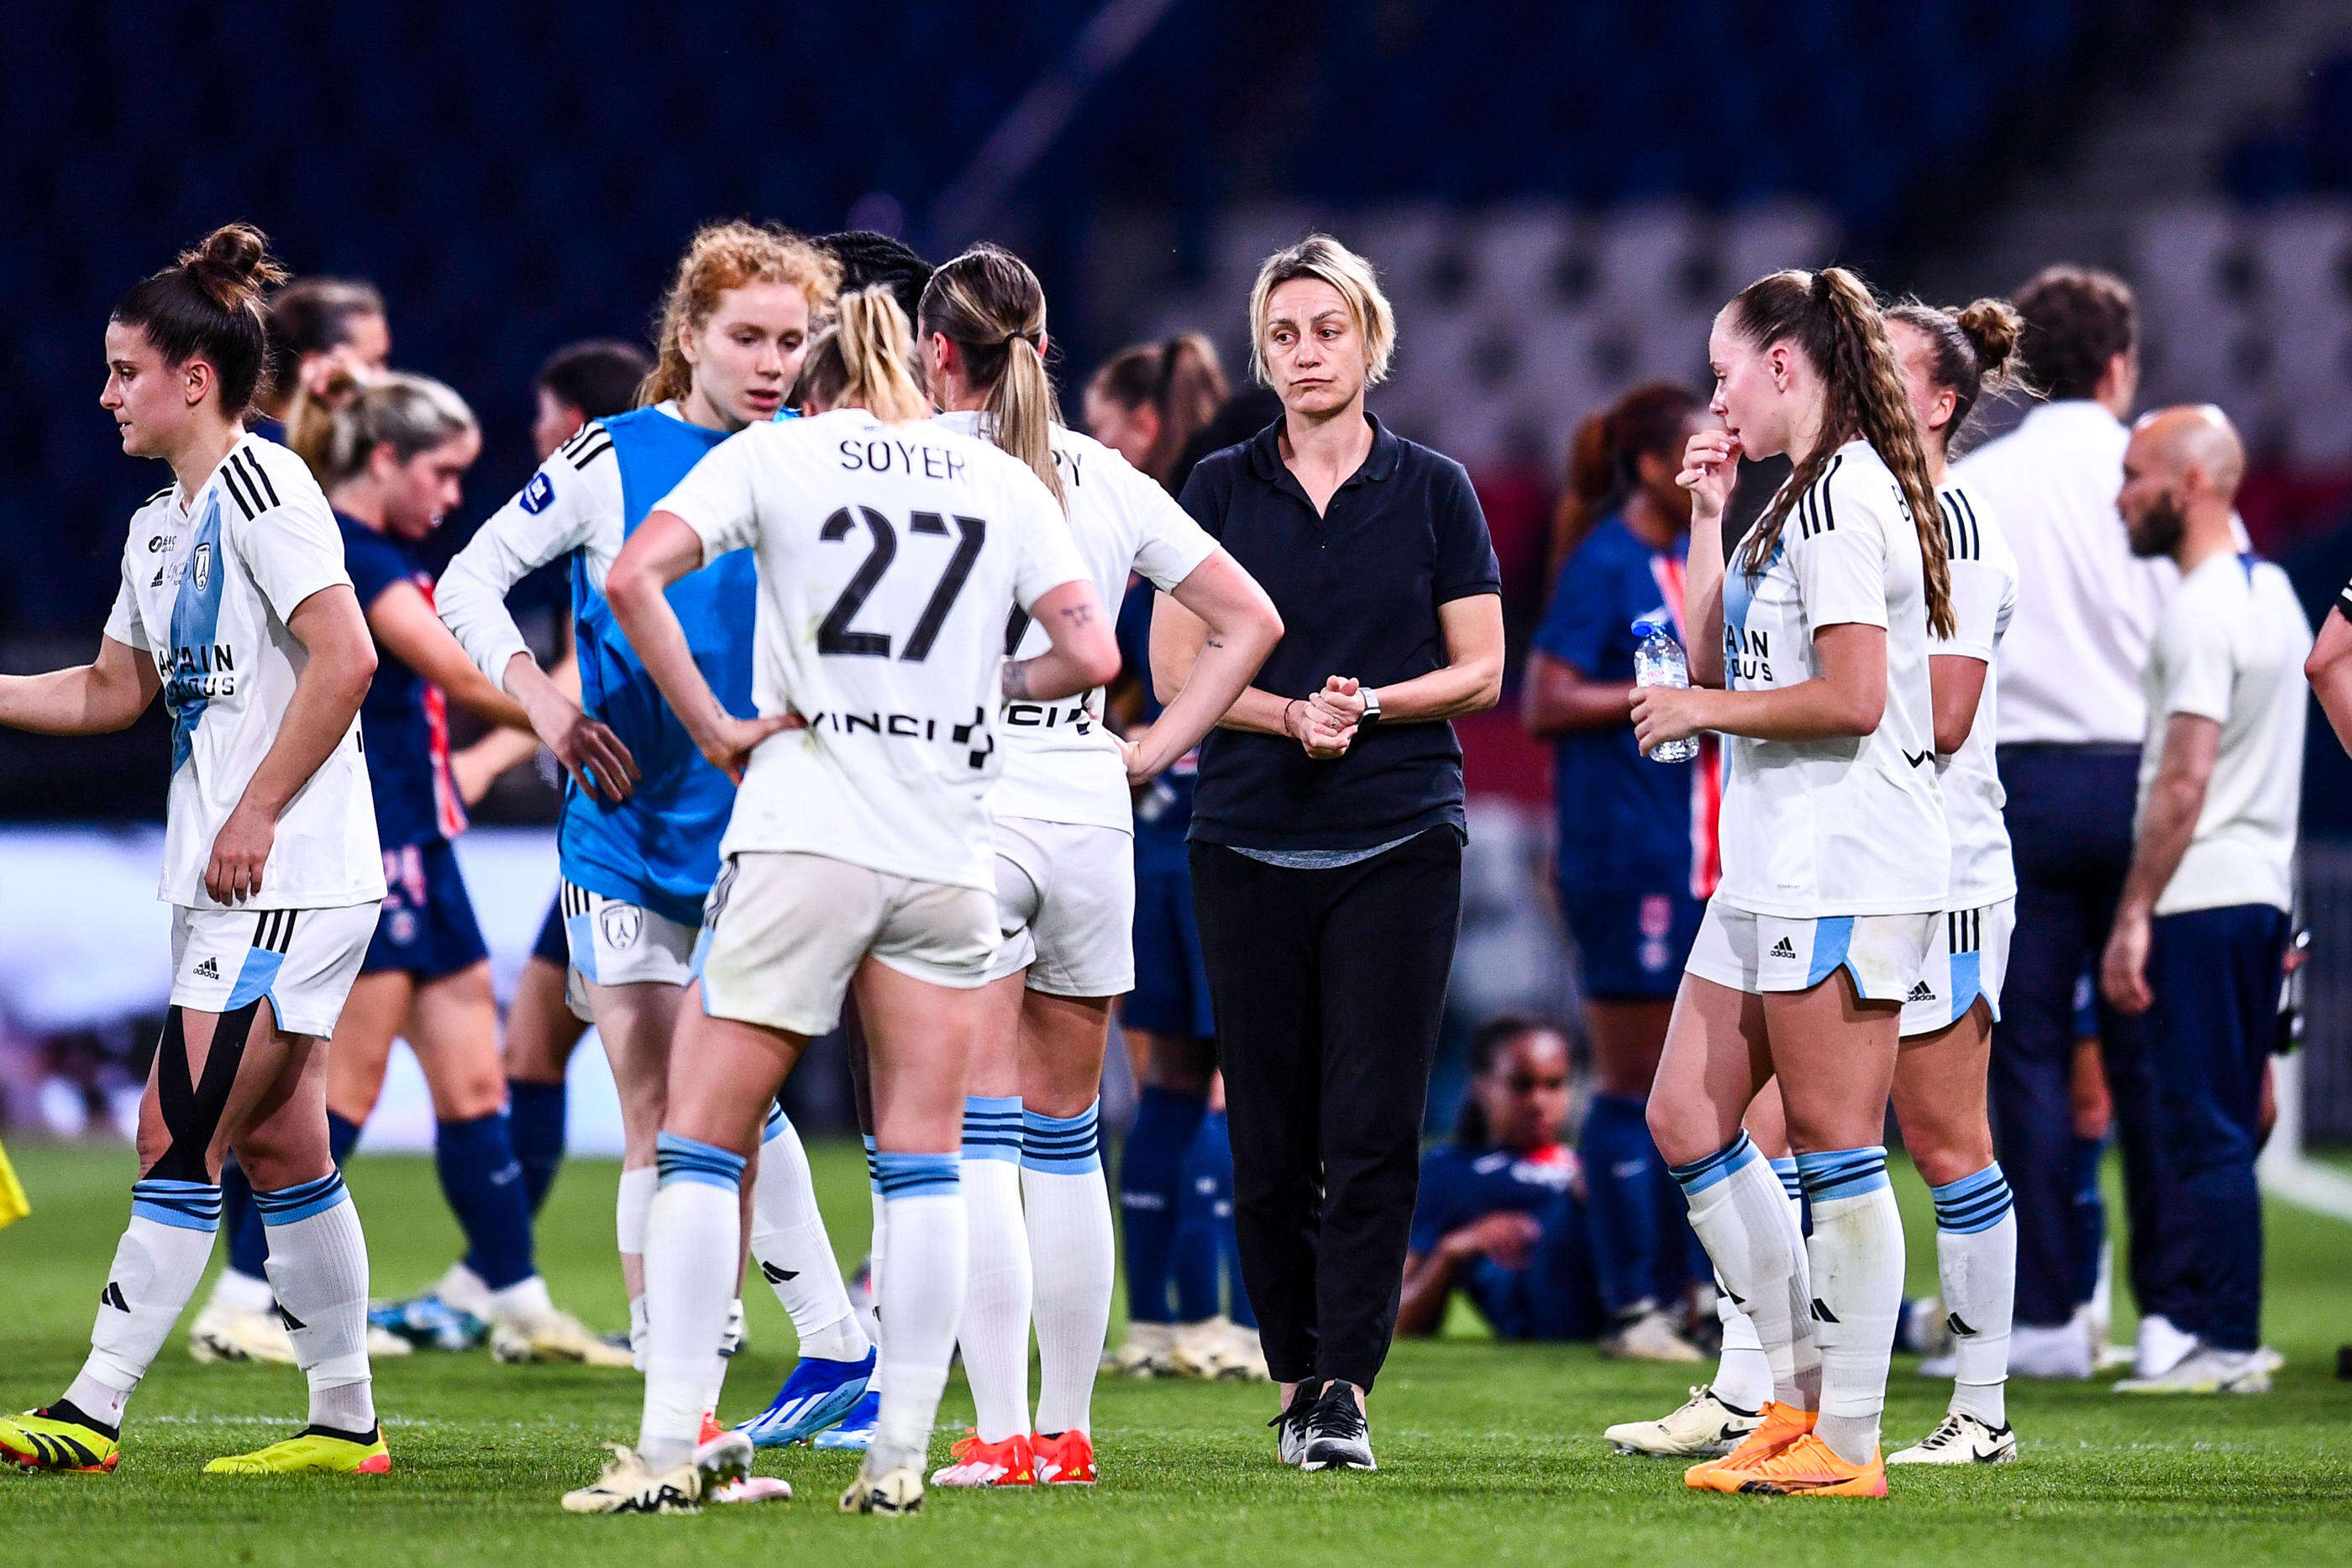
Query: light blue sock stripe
x,y
1701,1174
919,1176
778,1123
873,1171
991,1127
1790,1182
182,1204
1062,1145
1834,1173
287,1204
1973,1203
685,1159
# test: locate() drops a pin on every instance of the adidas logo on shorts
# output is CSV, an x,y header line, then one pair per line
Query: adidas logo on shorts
x,y
1921,992
1784,948
208,970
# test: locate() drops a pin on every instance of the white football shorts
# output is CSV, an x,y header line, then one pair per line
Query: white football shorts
x,y
1759,952
789,929
618,943
303,960
1968,957
1066,908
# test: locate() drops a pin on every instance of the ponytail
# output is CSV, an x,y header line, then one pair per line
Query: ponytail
x,y
1605,459
864,360
1179,378
409,413
990,307
1836,324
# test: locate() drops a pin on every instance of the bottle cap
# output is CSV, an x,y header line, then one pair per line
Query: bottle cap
x,y
1646,628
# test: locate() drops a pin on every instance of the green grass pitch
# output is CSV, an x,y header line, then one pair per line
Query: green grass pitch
x,y
1489,1454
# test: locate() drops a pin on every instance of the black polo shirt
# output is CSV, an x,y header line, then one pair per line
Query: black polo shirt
x,y
1358,588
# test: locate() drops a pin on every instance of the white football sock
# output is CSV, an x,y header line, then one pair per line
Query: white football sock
x,y
156,1268
874,1248
994,1328
1856,1254
1976,1261
1744,1220
524,1303
1743,1376
319,1272
693,1244
461,1289
1075,1255
927,1248
795,1254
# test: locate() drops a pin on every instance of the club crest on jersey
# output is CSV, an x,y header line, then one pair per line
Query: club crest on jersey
x,y
201,565
539,495
621,924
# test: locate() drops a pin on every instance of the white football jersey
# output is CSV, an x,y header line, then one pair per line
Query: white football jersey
x,y
208,581
1853,825
573,503
1984,596
1060,764
888,556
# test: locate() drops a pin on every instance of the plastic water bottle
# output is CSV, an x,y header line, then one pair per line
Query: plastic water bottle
x,y
1659,662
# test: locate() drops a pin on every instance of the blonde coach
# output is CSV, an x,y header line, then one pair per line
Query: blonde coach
x,y
1327,830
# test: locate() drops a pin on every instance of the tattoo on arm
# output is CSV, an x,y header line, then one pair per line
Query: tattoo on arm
x,y
1076,616
1016,682
1213,642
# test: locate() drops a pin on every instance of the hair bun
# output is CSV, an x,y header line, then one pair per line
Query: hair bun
x,y
233,264
1993,327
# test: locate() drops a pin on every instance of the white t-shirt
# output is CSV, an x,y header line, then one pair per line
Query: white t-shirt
x,y
208,583
573,503
1984,596
1060,764
888,556
2070,666
2231,648
1853,825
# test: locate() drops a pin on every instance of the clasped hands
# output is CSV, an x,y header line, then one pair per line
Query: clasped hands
x,y
1323,724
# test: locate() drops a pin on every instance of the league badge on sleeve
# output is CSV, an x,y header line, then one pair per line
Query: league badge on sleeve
x,y
539,495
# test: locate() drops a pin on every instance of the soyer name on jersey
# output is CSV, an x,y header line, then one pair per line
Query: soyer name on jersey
x,y
888,455
1747,655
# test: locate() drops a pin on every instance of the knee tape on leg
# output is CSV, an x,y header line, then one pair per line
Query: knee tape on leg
x,y
192,1107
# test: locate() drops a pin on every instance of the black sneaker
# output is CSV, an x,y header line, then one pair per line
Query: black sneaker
x,y
1290,1427
1336,1438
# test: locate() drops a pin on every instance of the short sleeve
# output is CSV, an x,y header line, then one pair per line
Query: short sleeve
x,y
718,496
122,621
1979,591
2194,653
291,552
1045,557
1205,495
1836,539
375,565
1466,550
1168,543
1583,615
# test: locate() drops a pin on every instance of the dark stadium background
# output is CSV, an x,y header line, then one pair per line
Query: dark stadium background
x,y
516,175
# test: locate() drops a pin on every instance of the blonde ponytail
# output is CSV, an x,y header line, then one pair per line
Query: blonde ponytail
x,y
864,360
409,413
992,308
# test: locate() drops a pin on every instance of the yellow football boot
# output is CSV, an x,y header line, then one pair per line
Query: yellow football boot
x,y
40,1441
313,1451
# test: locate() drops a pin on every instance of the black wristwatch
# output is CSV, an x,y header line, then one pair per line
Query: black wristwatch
x,y
1371,707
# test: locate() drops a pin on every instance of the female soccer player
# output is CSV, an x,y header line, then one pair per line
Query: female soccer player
x,y
1175,1173
1636,839
1501,1216
1064,877
392,460
1835,854
1948,358
328,337
234,604
859,853
644,814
